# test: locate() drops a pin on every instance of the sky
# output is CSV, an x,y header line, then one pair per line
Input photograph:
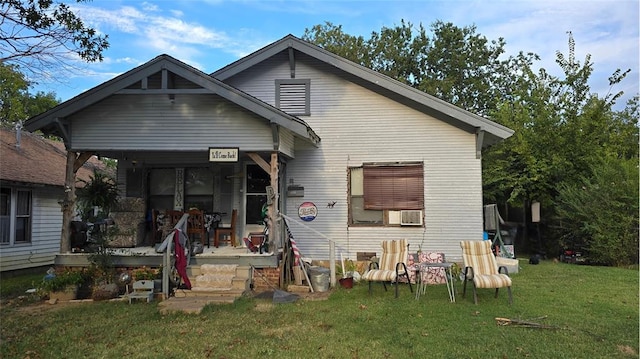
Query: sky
x,y
209,34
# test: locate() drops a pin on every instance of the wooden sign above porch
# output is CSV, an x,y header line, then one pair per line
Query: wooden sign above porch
x,y
223,154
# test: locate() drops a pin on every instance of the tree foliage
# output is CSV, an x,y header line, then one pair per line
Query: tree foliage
x,y
40,35
599,213
16,103
566,137
452,63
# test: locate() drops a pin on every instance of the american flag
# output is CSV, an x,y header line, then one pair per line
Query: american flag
x,y
294,247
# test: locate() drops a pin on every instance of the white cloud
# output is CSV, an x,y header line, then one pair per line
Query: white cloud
x,y
149,7
607,30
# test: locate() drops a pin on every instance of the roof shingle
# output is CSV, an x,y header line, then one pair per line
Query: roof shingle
x,y
38,160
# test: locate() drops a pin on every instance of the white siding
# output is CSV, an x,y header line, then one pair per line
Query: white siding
x,y
152,122
356,126
45,236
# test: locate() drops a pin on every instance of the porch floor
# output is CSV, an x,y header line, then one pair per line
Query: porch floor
x,y
147,256
212,251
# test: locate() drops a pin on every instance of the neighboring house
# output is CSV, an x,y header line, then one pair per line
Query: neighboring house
x,y
361,157
32,173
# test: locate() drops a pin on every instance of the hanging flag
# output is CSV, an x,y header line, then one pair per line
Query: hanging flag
x,y
294,247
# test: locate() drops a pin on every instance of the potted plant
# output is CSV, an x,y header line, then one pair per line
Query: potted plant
x,y
348,269
144,273
152,274
62,285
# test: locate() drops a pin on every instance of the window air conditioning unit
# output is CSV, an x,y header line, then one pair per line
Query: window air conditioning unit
x,y
411,218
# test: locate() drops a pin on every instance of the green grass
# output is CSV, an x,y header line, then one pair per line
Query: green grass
x,y
594,310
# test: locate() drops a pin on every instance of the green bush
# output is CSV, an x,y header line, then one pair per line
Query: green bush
x,y
61,280
600,213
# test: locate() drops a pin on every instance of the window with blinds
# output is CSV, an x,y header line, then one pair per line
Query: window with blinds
x,y
292,96
15,216
379,193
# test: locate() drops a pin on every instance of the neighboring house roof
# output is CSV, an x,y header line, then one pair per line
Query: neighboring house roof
x,y
37,161
49,121
385,85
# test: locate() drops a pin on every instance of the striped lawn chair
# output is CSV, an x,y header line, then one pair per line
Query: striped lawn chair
x,y
480,266
392,265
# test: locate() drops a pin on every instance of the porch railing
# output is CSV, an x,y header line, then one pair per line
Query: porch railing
x,y
166,247
332,245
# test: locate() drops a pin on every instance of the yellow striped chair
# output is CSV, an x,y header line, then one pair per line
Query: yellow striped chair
x,y
392,265
480,266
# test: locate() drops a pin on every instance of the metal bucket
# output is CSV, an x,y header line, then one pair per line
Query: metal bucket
x,y
320,278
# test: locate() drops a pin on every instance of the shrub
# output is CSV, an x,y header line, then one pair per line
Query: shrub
x,y
62,279
600,213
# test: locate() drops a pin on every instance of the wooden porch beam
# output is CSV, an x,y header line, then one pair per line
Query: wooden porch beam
x,y
196,91
260,162
80,160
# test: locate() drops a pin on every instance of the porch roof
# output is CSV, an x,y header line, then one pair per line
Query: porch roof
x,y
52,121
489,132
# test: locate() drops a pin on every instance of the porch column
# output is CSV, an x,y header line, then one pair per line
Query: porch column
x,y
274,230
68,203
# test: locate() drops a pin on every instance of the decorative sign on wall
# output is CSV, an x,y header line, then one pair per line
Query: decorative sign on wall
x,y
307,211
223,154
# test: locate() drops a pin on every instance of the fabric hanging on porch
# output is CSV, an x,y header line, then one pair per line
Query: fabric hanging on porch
x,y
294,246
181,259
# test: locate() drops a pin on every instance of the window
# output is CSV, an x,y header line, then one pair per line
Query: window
x,y
383,194
5,216
198,188
292,96
162,182
15,216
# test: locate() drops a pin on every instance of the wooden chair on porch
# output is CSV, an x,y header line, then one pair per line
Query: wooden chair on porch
x,y
196,225
228,233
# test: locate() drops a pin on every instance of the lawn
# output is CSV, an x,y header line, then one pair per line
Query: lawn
x,y
590,312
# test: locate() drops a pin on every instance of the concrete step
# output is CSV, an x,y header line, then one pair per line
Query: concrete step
x,y
211,293
233,278
190,304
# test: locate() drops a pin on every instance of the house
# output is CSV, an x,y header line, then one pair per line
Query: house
x,y
32,179
345,153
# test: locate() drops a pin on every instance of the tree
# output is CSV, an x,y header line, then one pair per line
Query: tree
x,y
40,35
454,64
16,103
565,136
599,213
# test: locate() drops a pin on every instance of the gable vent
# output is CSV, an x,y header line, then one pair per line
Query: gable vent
x,y
293,96
411,218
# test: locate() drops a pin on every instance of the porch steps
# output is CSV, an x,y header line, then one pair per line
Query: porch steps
x,y
211,284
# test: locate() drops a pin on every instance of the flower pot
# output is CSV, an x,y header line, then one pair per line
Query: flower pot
x,y
346,282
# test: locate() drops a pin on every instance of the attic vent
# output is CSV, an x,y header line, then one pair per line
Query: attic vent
x,y
411,218
292,96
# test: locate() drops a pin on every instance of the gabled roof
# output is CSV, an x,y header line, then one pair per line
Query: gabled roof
x,y
492,132
37,161
49,122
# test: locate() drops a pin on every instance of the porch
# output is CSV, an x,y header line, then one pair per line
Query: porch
x,y
147,256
